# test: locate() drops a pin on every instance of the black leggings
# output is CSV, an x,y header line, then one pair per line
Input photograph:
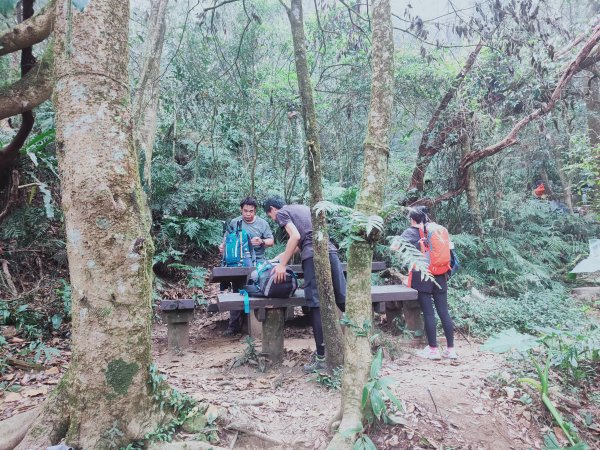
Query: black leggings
x,y
317,326
440,298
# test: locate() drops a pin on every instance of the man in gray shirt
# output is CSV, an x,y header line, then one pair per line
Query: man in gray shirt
x,y
261,237
296,220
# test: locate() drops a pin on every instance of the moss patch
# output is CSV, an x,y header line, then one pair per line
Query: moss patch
x,y
119,375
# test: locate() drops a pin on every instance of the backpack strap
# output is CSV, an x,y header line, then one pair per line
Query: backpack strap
x,y
423,234
244,292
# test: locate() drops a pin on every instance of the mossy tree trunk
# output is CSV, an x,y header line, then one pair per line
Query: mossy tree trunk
x,y
145,106
370,201
331,325
471,190
104,400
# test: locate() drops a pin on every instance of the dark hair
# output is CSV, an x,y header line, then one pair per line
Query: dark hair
x,y
273,202
418,214
250,201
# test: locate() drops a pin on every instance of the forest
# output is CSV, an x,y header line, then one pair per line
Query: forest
x,y
132,133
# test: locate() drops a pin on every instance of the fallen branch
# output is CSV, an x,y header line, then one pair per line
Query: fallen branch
x,y
23,364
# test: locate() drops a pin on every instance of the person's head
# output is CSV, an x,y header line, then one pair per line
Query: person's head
x,y
273,204
417,215
248,206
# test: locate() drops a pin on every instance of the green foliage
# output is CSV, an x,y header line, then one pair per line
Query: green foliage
x,y
360,331
196,276
482,316
250,356
25,319
508,340
534,247
375,393
331,381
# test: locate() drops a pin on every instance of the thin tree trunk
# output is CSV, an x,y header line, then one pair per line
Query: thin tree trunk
x,y
331,326
471,189
357,349
564,179
104,400
145,106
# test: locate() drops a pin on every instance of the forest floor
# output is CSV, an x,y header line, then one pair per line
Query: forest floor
x,y
471,403
448,404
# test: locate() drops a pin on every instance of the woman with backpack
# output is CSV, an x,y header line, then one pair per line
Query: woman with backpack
x,y
434,243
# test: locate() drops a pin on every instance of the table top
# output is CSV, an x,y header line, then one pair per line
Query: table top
x,y
232,301
219,274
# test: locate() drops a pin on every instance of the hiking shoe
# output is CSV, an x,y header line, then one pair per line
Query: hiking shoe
x,y
429,353
229,332
450,353
315,364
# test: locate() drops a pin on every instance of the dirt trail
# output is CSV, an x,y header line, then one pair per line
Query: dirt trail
x,y
448,403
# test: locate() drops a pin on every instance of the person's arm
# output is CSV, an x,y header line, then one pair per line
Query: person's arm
x,y
290,248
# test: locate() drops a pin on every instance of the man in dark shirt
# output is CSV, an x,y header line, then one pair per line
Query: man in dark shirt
x,y
296,220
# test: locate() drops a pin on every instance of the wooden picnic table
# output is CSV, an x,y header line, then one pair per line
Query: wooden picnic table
x,y
271,312
233,274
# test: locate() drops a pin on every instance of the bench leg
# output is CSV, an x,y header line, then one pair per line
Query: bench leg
x,y
178,329
272,335
254,326
412,316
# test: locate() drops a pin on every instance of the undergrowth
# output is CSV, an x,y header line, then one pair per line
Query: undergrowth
x,y
481,316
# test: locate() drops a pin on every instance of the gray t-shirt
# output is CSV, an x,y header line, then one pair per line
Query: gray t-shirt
x,y
299,215
259,228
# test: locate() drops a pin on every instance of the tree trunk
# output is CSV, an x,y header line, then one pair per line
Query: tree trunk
x,y
471,185
331,325
145,106
103,401
564,179
370,201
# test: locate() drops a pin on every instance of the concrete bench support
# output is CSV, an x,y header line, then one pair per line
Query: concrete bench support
x,y
272,331
178,315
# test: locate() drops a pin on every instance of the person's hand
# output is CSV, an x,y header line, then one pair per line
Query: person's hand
x,y
221,248
256,241
279,272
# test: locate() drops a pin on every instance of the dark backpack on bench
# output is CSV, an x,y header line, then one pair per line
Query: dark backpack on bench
x,y
262,283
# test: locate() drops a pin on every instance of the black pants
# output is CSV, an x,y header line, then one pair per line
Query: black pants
x,y
311,294
440,299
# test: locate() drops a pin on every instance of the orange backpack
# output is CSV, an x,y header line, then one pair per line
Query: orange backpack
x,y
435,245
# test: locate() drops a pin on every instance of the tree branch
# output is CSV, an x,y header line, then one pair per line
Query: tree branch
x,y
28,92
29,32
427,149
511,138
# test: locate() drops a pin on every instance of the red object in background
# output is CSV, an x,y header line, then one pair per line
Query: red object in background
x,y
540,190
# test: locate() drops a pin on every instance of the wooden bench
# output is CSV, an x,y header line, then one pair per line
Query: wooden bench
x,y
271,312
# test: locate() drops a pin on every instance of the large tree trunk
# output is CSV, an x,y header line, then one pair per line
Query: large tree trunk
x,y
370,201
471,189
145,107
331,325
104,400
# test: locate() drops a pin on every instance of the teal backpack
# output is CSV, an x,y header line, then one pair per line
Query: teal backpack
x,y
238,251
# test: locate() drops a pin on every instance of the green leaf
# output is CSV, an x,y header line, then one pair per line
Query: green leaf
x,y
56,321
80,4
377,403
376,364
509,340
7,6
392,398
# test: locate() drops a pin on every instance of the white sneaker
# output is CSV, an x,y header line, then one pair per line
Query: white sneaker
x,y
429,353
450,353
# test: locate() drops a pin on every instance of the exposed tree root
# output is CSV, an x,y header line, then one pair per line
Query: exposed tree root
x,y
246,429
343,439
334,422
13,430
187,445
50,423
